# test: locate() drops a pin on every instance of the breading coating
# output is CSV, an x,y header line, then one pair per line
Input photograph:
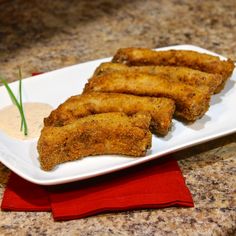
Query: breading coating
x,y
191,102
160,109
106,133
195,60
185,75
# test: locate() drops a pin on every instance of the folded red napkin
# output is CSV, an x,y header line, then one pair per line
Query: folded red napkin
x,y
156,184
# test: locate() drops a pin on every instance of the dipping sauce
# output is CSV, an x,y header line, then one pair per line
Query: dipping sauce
x,y
10,119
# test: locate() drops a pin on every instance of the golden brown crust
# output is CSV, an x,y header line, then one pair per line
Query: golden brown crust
x,y
185,75
191,102
107,133
195,60
160,109
129,97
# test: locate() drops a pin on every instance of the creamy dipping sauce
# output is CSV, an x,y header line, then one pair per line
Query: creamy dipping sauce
x,y
10,119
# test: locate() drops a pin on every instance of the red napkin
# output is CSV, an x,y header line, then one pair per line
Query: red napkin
x,y
156,184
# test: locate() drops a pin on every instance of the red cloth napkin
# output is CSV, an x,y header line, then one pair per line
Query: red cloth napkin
x,y
156,184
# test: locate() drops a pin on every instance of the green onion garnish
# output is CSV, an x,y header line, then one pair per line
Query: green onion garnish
x,y
20,93
19,105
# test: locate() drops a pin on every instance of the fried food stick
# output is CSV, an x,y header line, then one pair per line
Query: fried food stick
x,y
186,75
160,109
191,103
187,58
106,133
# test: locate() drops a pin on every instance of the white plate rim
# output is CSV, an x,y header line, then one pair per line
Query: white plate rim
x,y
137,161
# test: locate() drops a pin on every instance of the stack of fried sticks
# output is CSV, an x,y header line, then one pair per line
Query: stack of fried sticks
x,y
138,92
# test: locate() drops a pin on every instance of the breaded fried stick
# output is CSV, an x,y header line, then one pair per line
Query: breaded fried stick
x,y
191,102
160,109
195,60
106,133
185,75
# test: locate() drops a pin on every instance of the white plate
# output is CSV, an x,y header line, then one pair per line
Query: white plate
x,y
56,86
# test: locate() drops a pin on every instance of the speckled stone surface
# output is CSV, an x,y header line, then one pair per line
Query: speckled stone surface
x,y
46,35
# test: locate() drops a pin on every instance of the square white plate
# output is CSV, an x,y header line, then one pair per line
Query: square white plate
x,y
56,86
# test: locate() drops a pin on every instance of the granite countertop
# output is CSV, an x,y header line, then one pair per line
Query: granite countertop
x,y
46,35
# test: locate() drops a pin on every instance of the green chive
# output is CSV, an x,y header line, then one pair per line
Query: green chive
x,y
20,93
15,101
